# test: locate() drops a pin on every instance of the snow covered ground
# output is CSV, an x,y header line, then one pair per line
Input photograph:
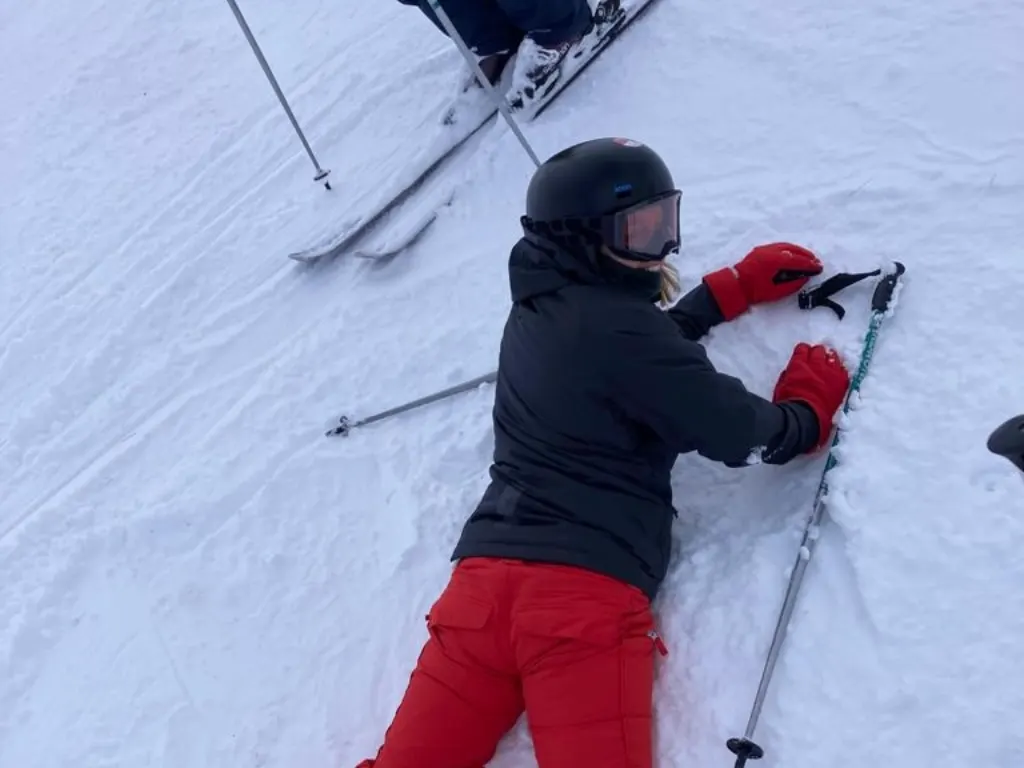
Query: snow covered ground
x,y
193,576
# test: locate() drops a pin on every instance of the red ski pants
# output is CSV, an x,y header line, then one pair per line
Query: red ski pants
x,y
571,647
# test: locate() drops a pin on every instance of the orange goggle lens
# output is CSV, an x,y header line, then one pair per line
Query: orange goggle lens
x,y
650,229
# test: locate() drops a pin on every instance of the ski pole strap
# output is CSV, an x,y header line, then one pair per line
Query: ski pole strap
x,y
821,295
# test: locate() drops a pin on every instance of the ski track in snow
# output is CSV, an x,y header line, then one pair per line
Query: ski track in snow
x,y
194,576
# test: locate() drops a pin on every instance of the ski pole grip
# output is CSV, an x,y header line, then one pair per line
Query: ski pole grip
x,y
1007,440
884,290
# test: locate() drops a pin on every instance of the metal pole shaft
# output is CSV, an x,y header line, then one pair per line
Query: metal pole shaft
x,y
803,557
320,172
881,304
499,100
427,400
346,425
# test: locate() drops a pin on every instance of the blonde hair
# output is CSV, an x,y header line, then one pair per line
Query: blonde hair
x,y
669,289
669,283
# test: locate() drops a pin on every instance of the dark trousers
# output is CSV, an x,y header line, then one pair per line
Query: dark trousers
x,y
490,26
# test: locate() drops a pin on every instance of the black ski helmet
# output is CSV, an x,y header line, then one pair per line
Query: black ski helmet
x,y
617,190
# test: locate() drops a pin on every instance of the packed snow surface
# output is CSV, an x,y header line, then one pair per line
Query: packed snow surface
x,y
193,575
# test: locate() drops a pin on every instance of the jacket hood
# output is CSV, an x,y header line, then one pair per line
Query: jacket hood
x,y
538,265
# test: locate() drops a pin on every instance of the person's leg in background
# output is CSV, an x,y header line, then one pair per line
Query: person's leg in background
x,y
484,27
549,23
464,693
551,27
586,645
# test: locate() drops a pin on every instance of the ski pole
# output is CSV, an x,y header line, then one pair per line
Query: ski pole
x,y
498,99
321,174
1007,440
745,748
345,425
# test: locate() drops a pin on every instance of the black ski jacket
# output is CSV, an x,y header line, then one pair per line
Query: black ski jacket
x,y
598,392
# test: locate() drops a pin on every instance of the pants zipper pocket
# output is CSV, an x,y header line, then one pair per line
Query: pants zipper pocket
x,y
658,642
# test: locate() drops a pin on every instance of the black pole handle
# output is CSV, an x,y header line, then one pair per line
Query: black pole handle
x,y
1007,440
821,295
885,288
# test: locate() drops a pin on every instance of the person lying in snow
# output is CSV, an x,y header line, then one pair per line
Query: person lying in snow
x,y
548,609
540,31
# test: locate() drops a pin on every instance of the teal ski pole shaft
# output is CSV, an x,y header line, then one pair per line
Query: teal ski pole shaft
x,y
745,748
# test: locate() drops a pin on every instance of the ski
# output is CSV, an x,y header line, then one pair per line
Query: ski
x,y
443,149
454,137
396,243
398,235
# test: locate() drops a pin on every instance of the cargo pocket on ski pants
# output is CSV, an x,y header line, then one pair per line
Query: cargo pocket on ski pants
x,y
458,703
587,662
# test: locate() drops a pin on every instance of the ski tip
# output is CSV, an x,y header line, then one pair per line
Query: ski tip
x,y
405,240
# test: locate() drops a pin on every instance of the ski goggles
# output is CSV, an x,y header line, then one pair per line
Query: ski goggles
x,y
647,230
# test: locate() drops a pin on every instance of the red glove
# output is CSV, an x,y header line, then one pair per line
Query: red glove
x,y
817,377
768,273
